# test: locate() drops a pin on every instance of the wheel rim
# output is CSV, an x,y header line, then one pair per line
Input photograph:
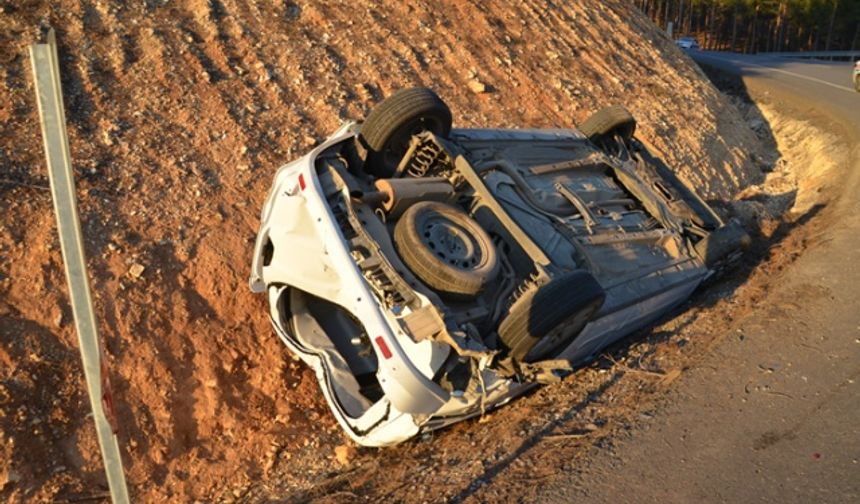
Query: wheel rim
x,y
450,242
398,144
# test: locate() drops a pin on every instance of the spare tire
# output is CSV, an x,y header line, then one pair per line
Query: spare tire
x,y
546,319
446,249
607,122
391,124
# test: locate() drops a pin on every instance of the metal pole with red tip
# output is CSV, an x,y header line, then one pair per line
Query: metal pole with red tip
x,y
49,96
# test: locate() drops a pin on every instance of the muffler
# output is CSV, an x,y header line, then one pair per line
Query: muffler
x,y
401,193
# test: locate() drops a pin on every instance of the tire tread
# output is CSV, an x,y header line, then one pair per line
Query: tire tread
x,y
607,120
540,310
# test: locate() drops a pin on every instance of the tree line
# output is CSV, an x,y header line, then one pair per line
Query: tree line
x,y
761,25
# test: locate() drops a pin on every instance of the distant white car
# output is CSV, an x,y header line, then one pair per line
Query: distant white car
x,y
429,274
687,43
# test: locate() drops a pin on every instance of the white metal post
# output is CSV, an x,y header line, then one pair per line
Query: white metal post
x,y
46,75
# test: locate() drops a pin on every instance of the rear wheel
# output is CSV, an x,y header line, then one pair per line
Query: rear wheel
x,y
607,122
546,319
391,125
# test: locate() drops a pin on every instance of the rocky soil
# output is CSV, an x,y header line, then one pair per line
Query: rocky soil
x,y
179,113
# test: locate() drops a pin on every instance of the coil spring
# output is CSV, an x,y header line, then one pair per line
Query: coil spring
x,y
424,158
524,287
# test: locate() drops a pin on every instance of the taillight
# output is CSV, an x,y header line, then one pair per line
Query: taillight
x,y
383,347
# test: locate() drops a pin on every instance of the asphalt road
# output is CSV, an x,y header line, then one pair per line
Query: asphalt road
x,y
792,72
773,415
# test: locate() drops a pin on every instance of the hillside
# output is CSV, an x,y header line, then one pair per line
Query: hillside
x,y
179,113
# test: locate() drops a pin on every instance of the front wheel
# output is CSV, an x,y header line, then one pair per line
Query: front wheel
x,y
607,122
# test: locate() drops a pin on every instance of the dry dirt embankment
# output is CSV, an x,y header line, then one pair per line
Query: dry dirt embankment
x,y
178,114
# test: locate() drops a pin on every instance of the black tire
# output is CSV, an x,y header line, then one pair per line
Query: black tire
x,y
607,122
446,249
545,320
391,124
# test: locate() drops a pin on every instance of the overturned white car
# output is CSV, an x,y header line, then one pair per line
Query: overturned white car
x,y
429,274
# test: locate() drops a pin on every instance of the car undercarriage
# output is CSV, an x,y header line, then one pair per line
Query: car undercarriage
x,y
428,274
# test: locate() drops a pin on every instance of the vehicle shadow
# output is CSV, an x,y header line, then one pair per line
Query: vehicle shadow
x,y
531,442
34,386
619,358
774,243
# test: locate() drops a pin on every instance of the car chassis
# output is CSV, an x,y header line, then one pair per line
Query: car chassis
x,y
567,211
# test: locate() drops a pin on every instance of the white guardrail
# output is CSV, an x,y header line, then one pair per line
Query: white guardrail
x,y
825,55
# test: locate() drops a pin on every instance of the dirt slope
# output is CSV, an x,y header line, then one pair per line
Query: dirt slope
x,y
179,112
